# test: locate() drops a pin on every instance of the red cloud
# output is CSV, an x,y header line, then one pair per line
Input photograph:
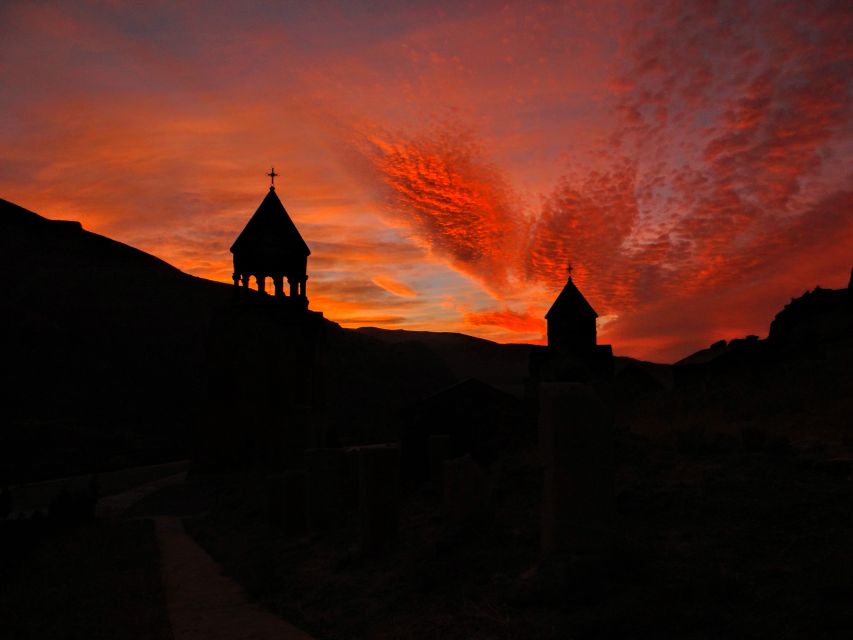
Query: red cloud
x,y
586,223
393,286
508,319
452,200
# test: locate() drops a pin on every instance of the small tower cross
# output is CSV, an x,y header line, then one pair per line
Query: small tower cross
x,y
272,174
570,270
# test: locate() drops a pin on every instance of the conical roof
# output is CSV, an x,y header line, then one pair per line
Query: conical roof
x,y
271,228
570,302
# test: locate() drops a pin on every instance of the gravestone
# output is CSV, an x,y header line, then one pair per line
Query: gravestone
x,y
286,501
576,450
325,471
439,451
467,492
379,496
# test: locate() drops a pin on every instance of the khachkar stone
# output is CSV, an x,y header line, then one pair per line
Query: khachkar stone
x,y
325,471
467,492
576,450
439,451
286,501
379,496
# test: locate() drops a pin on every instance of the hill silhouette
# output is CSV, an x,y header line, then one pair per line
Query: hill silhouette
x,y
797,382
501,365
101,341
106,347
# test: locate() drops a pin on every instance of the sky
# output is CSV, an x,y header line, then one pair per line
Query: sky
x,y
446,161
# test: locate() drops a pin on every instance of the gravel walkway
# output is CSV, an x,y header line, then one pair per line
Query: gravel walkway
x,y
205,605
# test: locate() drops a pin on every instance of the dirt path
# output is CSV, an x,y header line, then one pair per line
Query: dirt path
x,y
114,505
117,488
205,605
202,603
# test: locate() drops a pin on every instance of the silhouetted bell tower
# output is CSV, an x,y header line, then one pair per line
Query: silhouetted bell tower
x,y
571,321
270,246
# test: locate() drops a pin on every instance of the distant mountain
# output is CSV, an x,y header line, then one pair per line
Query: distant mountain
x,y
502,365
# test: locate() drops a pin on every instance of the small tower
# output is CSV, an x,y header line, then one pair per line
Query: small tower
x,y
571,321
270,246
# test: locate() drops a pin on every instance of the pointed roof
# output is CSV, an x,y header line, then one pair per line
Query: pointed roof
x,y
570,302
271,227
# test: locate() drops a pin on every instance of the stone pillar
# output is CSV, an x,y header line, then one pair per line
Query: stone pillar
x,y
261,281
286,501
236,278
279,288
467,492
438,450
325,476
292,285
244,279
576,450
379,496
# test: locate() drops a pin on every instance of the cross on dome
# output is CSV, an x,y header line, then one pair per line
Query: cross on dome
x,y
272,174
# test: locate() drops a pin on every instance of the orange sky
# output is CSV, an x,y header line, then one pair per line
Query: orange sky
x,y
445,161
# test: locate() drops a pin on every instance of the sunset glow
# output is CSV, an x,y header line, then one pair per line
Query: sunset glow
x,y
446,161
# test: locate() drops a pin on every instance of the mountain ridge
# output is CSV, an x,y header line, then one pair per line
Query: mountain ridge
x,y
106,347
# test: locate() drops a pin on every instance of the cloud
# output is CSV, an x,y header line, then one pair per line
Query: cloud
x,y
395,287
506,318
441,188
735,141
373,321
355,246
586,222
690,159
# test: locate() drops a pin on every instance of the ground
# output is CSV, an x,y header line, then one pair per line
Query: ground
x,y
719,537
91,582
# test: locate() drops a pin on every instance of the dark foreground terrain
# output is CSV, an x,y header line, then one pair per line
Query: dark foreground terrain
x,y
719,535
717,538
98,580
